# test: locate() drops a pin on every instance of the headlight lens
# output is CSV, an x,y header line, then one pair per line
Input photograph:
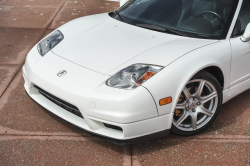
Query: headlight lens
x,y
133,76
49,42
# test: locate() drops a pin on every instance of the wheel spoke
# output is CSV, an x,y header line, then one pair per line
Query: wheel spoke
x,y
181,119
181,106
203,110
207,98
194,121
187,93
198,103
200,88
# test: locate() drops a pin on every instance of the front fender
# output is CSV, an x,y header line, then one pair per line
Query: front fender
x,y
171,80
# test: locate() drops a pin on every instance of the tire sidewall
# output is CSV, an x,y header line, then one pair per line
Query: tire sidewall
x,y
210,78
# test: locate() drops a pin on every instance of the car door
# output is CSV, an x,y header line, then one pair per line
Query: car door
x,y
240,65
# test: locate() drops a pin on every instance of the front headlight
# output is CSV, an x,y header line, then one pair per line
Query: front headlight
x,y
133,76
49,42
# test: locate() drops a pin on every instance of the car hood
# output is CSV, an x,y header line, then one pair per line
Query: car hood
x,y
106,45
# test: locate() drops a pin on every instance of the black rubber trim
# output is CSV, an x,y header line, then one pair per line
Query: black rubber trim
x,y
112,127
61,103
156,135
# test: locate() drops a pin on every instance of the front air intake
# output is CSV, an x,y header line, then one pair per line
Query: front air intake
x,y
63,104
112,127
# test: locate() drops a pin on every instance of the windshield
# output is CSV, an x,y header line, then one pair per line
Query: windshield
x,y
210,19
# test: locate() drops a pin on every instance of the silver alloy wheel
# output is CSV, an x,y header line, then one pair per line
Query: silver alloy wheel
x,y
198,107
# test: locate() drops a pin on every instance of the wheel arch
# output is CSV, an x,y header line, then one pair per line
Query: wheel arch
x,y
213,70
180,81
217,73
172,79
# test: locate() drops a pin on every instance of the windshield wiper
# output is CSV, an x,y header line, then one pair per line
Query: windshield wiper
x,y
118,15
158,28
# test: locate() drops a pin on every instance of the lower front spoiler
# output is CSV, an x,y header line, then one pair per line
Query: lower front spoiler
x,y
134,140
118,141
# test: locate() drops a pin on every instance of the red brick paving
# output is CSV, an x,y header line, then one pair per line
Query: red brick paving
x,y
174,152
15,44
67,14
234,117
30,135
27,16
60,152
7,72
31,2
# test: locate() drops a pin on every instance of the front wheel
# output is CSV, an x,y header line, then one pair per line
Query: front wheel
x,y
198,105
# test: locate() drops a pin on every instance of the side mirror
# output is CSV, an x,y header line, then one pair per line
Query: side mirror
x,y
246,35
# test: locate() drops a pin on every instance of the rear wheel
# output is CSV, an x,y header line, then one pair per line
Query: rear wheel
x,y
198,104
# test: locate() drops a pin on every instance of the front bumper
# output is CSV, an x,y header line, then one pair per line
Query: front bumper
x,y
134,111
115,141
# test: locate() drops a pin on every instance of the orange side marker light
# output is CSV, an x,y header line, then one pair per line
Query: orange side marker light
x,y
165,101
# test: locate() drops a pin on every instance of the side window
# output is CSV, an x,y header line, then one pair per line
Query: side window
x,y
243,19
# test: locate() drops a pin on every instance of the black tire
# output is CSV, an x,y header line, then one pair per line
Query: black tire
x,y
204,75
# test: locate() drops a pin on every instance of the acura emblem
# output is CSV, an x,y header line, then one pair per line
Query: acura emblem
x,y
61,73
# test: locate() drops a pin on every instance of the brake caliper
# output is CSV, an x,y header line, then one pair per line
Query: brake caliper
x,y
177,111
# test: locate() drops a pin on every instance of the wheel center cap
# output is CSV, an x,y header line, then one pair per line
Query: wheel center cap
x,y
192,104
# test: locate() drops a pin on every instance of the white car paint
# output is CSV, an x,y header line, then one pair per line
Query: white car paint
x,y
137,111
246,35
112,56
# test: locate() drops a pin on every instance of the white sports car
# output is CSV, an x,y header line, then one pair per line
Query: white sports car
x,y
147,68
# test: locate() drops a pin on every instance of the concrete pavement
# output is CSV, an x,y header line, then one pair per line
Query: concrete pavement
x,y
30,135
